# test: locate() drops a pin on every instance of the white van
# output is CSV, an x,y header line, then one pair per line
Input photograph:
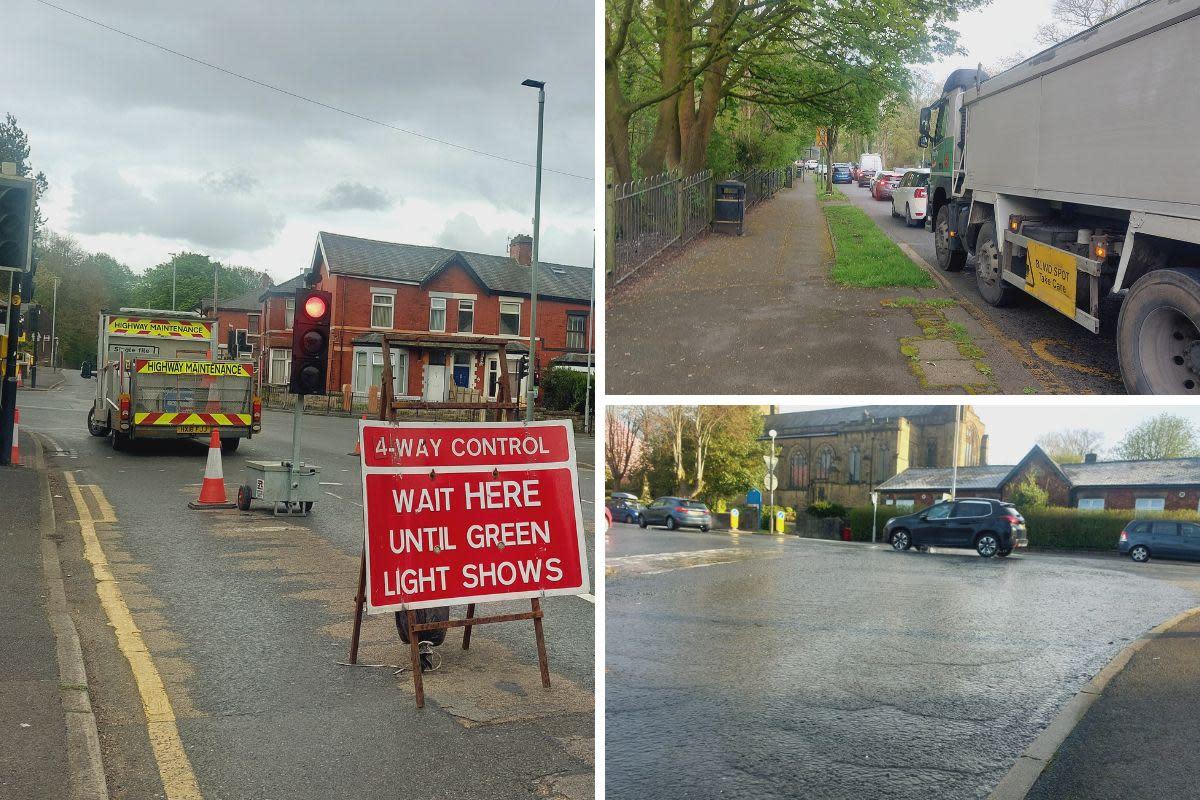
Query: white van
x,y
870,161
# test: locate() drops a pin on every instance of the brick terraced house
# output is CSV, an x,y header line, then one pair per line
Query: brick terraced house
x,y
1161,485
450,309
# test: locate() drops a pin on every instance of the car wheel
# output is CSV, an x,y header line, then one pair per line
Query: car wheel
x,y
94,428
1140,553
642,522
987,545
948,259
901,540
672,524
704,528
988,280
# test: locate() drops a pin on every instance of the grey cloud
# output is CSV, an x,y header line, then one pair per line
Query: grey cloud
x,y
463,232
176,210
229,181
352,196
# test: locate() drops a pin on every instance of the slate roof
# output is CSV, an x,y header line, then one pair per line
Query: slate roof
x,y
370,258
1164,472
287,287
796,422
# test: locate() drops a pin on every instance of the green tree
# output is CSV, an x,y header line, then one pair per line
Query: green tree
x,y
193,274
14,147
1028,494
1164,436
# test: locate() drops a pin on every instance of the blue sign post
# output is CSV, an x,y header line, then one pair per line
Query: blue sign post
x,y
754,497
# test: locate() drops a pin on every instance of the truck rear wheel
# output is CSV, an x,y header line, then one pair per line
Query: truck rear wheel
x,y
230,445
94,428
988,280
1158,333
949,259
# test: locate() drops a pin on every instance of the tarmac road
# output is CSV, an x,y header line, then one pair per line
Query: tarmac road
x,y
1085,362
246,617
760,666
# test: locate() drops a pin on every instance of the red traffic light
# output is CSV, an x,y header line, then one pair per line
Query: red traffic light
x,y
314,307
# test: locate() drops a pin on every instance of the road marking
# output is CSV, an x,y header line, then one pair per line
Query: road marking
x,y
657,563
174,768
591,598
329,483
1041,347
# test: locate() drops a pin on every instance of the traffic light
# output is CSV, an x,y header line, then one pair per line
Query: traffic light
x,y
16,222
310,341
522,368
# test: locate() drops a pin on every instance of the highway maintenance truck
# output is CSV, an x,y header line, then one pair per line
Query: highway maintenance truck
x,y
1073,177
157,378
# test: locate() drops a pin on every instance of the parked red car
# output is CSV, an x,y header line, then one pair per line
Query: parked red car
x,y
881,187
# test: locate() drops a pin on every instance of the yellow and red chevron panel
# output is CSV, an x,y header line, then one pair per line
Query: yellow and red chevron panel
x,y
189,418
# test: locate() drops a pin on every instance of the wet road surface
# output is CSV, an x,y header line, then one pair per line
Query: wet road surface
x,y
1085,362
757,666
246,617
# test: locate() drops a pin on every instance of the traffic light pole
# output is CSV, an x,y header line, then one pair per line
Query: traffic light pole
x,y
295,468
531,390
8,393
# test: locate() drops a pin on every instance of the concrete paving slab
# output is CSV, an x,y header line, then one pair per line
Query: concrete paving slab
x,y
937,349
952,372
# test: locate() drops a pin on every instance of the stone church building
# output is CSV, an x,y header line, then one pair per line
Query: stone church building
x,y
842,454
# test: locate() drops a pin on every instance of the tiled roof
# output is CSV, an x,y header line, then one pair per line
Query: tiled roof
x,y
246,302
800,421
927,478
1166,472
287,287
350,255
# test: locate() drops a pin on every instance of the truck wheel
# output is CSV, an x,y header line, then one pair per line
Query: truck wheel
x,y
94,428
230,445
991,286
1158,333
120,441
948,258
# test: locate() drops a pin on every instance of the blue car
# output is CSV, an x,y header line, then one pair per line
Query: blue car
x,y
841,174
1160,538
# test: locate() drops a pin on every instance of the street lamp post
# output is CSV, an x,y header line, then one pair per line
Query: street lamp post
x,y
53,326
771,479
530,389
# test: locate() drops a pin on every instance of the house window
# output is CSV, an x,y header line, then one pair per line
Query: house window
x,y
368,371
252,324
798,470
824,463
1150,504
510,318
466,316
905,503
492,377
576,331
289,313
1091,504
437,314
855,464
281,366
382,308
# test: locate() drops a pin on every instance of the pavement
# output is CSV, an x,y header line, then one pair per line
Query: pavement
x,y
776,667
215,641
760,313
1060,356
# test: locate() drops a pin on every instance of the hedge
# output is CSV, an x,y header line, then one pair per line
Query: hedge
x,y
565,390
1051,528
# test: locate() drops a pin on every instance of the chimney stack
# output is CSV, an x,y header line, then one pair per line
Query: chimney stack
x,y
520,249
1089,458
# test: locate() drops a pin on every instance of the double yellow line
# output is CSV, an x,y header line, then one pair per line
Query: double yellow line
x,y
173,765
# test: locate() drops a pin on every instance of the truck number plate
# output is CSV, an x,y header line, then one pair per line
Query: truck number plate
x,y
1050,276
192,429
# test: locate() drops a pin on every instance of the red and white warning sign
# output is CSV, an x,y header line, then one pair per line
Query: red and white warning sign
x,y
470,512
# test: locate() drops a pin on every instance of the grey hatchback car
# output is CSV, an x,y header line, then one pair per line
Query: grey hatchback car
x,y
676,512
1161,538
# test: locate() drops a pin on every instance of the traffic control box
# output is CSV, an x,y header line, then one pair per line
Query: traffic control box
x,y
729,213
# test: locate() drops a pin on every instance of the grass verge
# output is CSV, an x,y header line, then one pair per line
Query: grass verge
x,y
865,256
835,195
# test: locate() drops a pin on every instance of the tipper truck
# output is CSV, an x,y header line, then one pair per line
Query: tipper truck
x,y
1074,177
156,378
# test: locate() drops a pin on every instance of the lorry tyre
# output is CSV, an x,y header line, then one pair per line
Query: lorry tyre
x,y
988,281
1158,333
949,259
120,441
230,445
94,428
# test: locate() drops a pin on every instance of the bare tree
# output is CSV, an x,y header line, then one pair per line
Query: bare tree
x,y
1073,16
1070,446
623,444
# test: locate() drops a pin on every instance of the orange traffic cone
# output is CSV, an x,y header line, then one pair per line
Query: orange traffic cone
x,y
357,444
16,451
212,491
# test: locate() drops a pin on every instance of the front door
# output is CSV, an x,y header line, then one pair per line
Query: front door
x,y
435,383
462,369
931,530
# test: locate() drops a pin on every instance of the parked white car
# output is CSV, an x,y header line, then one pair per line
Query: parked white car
x,y
910,199
811,164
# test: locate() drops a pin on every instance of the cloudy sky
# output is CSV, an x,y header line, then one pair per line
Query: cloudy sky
x,y
148,153
994,33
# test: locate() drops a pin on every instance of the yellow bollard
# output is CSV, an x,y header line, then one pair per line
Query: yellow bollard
x,y
779,523
733,519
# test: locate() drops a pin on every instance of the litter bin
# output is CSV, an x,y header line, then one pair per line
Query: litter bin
x,y
730,209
